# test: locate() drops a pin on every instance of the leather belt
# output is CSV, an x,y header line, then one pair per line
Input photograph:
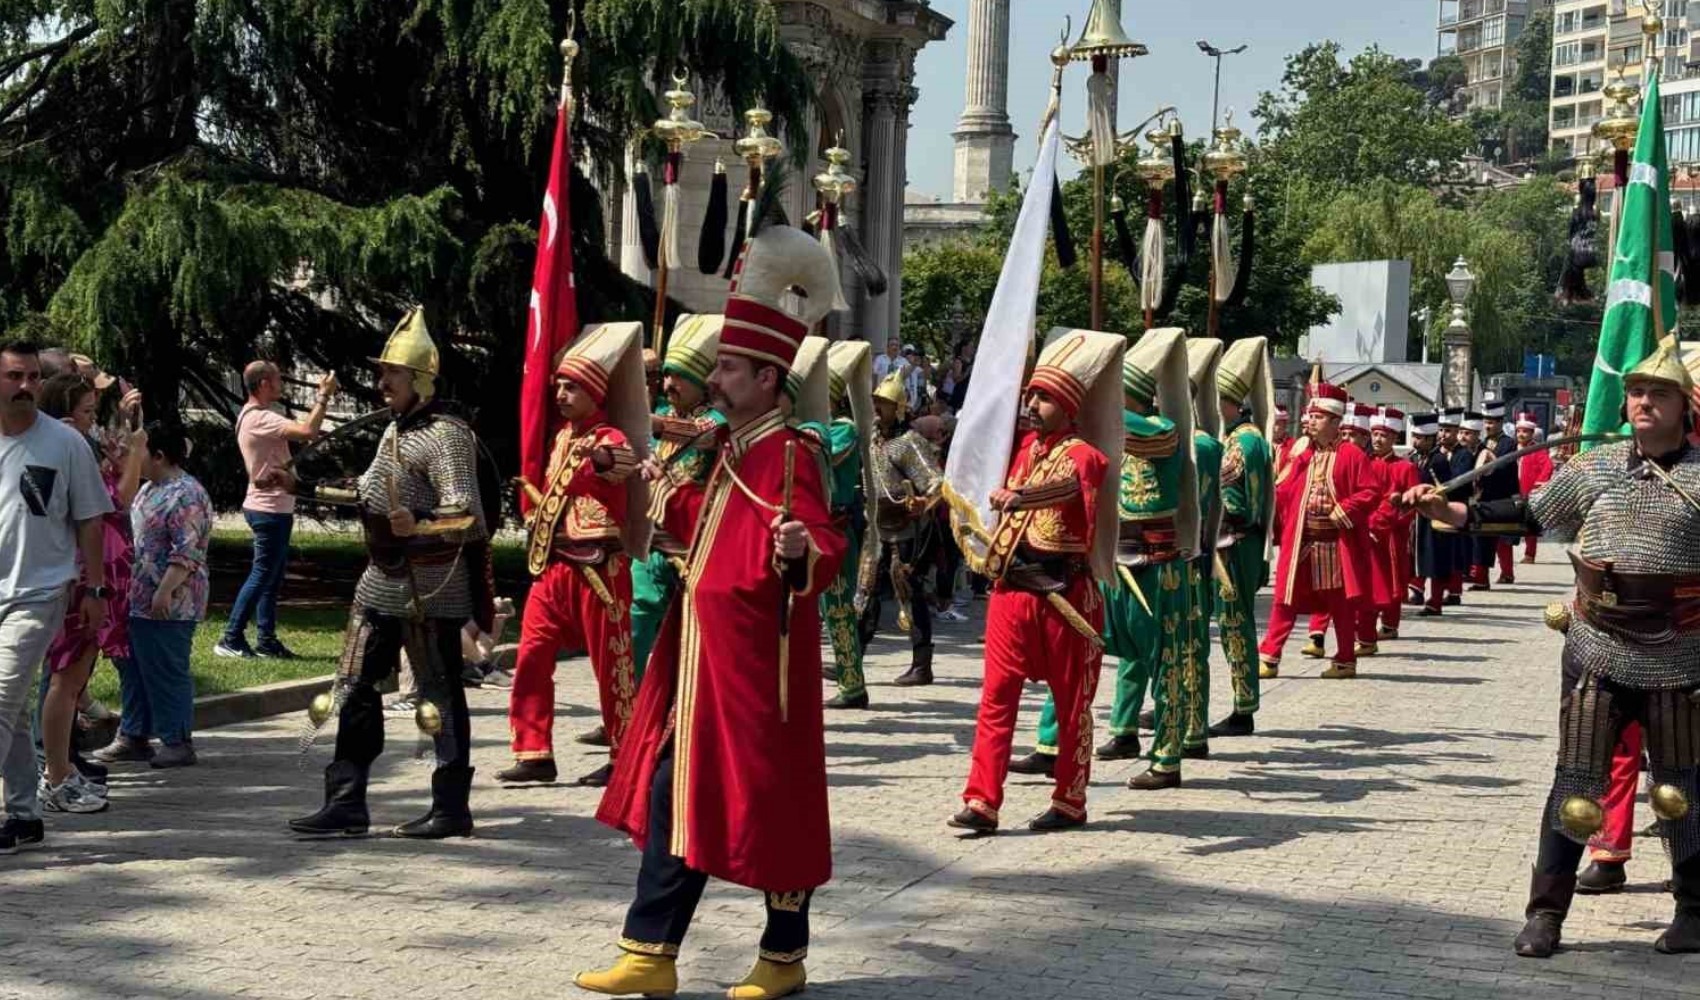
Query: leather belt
x,y
1040,576
1642,607
1147,542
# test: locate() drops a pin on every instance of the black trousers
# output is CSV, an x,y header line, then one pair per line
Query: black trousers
x,y
913,553
668,891
434,651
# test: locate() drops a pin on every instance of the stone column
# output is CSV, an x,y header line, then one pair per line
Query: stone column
x,y
899,188
985,143
882,197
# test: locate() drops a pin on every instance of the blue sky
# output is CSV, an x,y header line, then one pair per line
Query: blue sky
x,y
1174,73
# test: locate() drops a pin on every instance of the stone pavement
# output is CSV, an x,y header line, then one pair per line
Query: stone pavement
x,y
1373,840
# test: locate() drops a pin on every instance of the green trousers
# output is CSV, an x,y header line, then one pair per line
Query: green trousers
x,y
839,618
1195,680
1142,641
654,581
1236,618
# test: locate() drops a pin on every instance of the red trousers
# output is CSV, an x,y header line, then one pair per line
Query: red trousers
x,y
564,612
1616,837
1026,639
1529,547
1282,618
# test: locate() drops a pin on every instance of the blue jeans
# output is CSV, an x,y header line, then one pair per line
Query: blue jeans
x,y
258,597
157,690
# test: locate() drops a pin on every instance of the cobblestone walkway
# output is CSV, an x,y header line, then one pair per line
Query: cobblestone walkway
x,y
1373,840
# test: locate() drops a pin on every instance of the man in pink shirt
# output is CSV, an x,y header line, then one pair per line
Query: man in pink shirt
x,y
264,436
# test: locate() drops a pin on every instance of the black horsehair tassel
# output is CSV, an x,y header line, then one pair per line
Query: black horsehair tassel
x,y
1248,247
649,232
711,246
873,277
1059,227
1186,239
1124,237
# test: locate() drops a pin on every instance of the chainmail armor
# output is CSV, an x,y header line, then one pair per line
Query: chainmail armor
x,y
905,466
1638,523
439,474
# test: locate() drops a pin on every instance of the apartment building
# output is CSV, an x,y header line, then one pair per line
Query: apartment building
x,y
1591,41
1484,33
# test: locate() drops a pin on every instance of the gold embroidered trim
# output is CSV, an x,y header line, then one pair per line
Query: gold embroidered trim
x,y
660,949
784,957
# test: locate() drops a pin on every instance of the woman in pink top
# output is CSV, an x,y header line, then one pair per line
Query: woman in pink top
x,y
71,657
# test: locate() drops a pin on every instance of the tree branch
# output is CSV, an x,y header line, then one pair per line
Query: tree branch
x,y
58,48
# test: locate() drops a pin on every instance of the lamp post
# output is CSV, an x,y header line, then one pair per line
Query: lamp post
x,y
1455,384
1217,54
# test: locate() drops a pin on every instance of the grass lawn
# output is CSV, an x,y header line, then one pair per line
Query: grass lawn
x,y
324,562
315,634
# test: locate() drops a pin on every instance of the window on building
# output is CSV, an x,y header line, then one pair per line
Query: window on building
x,y
1563,86
1493,31
1564,117
1566,22
1567,54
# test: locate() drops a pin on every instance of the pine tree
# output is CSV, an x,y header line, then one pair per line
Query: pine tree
x,y
186,184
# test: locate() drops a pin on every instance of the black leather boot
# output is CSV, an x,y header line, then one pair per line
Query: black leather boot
x,y
1237,724
597,737
597,778
847,701
1684,933
450,815
344,812
1035,763
1549,901
1601,877
975,823
1054,820
539,771
920,672
1123,747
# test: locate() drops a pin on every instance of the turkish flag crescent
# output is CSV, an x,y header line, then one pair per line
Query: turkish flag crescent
x,y
552,319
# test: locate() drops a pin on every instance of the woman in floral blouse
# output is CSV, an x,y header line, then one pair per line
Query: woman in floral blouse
x,y
171,519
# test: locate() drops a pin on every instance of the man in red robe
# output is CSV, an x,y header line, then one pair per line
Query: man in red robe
x,y
1390,531
1533,471
1046,614
723,771
1324,496
581,547
1355,429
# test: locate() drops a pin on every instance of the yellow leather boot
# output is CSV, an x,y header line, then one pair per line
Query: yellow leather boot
x,y
770,980
644,975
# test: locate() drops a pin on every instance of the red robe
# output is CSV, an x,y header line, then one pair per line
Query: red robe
x,y
1391,527
1533,471
1347,499
749,775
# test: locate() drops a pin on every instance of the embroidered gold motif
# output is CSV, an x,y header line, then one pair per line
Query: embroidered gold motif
x,y
1139,487
786,902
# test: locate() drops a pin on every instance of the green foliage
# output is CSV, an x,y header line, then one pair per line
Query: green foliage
x,y
186,184
1342,124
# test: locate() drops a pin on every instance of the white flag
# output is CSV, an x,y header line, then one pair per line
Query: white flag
x,y
985,429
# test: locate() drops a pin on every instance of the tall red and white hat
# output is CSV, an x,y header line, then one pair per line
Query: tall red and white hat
x,y
1388,418
1361,417
1527,422
1328,399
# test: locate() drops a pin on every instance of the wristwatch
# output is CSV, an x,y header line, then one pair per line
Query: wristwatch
x,y
101,592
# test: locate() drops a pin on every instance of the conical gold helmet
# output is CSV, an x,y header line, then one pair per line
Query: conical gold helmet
x,y
410,346
892,391
1663,365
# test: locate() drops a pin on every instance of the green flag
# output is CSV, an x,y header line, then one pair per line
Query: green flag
x,y
1635,319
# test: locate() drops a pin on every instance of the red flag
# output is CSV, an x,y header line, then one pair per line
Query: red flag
x,y
552,319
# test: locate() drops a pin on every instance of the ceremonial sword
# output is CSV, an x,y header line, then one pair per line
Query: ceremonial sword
x,y
1482,471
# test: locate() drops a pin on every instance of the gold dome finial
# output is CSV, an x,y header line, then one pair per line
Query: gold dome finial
x,y
1103,37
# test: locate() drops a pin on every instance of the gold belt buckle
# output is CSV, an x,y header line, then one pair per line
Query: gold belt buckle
x,y
1608,598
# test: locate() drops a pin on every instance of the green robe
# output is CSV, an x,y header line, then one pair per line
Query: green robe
x,y
655,579
1247,478
1143,634
838,602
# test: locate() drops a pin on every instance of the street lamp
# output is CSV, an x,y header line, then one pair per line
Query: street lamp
x,y
1217,54
1455,378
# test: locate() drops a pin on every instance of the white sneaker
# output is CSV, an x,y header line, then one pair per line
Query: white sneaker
x,y
402,707
75,794
951,615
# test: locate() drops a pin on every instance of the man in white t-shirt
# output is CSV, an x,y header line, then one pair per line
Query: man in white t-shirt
x,y
889,362
264,435
51,503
